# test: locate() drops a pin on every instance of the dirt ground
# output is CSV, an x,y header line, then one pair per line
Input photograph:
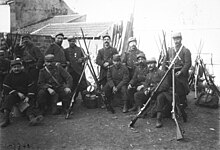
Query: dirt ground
x,y
97,129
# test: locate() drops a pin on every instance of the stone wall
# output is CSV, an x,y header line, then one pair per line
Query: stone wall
x,y
40,41
26,12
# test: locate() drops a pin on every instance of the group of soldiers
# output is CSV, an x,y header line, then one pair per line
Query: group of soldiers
x,y
43,80
136,78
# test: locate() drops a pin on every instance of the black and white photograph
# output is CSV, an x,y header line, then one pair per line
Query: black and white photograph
x,y
109,75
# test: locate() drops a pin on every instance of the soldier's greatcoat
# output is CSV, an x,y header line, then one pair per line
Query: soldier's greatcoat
x,y
58,53
183,63
105,55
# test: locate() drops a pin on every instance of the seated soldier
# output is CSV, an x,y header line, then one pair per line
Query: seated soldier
x,y
54,84
117,80
18,88
152,79
137,81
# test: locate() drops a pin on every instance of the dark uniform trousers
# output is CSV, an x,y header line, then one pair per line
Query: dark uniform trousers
x,y
45,99
117,76
109,94
137,80
12,100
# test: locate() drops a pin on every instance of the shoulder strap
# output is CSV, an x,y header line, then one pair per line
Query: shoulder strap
x,y
52,75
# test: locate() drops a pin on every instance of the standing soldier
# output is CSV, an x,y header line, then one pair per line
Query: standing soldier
x,y
75,59
104,58
137,81
17,89
31,57
57,50
182,66
117,80
152,79
4,70
130,57
55,84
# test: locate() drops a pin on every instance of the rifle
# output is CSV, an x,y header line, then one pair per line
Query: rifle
x,y
155,90
179,133
92,71
74,93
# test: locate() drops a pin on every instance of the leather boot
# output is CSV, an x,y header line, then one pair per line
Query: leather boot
x,y
6,120
159,120
134,108
125,107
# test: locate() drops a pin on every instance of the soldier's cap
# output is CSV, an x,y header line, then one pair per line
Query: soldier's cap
x,y
131,39
106,35
59,34
177,35
116,57
71,38
2,52
151,60
142,55
17,61
49,57
26,36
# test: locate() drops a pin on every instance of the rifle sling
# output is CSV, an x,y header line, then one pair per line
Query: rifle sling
x,y
52,76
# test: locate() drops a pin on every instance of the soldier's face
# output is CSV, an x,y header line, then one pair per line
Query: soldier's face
x,y
151,66
177,41
25,41
59,40
132,45
141,60
106,41
72,43
17,68
116,63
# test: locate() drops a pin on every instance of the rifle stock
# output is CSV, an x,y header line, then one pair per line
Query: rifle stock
x,y
179,132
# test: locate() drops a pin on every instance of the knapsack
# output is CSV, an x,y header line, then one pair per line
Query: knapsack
x,y
210,100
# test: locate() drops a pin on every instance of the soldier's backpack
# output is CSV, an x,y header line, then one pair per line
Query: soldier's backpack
x,y
209,100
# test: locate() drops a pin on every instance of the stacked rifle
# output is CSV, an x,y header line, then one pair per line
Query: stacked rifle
x,y
99,91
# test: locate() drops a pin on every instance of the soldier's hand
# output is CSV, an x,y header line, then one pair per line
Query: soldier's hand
x,y
140,87
106,64
178,73
26,99
129,86
51,91
21,95
115,89
67,90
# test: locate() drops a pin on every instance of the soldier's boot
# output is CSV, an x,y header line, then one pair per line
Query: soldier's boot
x,y
65,106
6,120
134,108
184,115
159,120
125,107
54,110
